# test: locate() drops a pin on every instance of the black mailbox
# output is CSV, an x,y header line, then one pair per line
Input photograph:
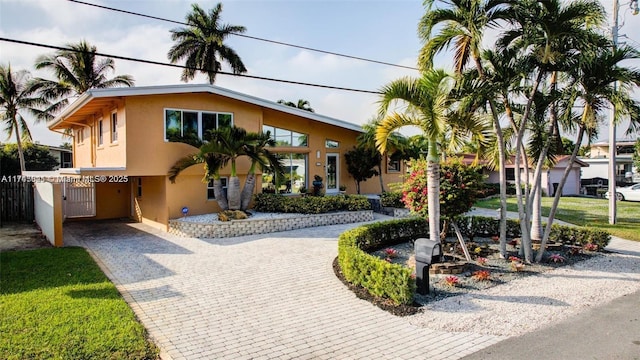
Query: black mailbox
x,y
427,252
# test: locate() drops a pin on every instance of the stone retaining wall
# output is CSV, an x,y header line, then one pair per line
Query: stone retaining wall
x,y
262,226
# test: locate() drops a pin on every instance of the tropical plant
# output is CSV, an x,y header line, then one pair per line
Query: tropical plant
x,y
36,158
77,69
599,80
202,45
225,146
17,93
301,104
463,24
636,155
428,108
361,163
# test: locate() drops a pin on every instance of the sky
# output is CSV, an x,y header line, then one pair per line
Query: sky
x,y
384,30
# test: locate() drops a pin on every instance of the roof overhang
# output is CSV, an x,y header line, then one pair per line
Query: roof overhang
x,y
95,99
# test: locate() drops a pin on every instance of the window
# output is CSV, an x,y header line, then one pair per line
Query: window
x,y
393,165
210,193
295,175
139,193
331,144
284,137
100,133
67,161
114,127
190,126
511,174
80,135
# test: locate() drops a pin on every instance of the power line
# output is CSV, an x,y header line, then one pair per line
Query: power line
x,y
22,42
248,36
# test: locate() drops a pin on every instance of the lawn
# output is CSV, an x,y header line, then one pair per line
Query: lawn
x,y
57,304
587,212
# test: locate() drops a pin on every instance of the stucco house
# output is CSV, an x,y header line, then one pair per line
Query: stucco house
x,y
598,161
124,144
550,176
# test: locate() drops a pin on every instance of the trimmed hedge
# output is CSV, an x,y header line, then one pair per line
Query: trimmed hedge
x,y
396,282
379,277
310,204
392,199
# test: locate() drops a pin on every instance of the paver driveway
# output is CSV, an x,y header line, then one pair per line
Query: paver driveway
x,y
255,297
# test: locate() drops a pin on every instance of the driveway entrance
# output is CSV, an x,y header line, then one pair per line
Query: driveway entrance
x,y
254,297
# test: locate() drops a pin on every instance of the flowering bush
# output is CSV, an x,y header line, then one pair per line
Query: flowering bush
x,y
556,258
482,275
452,281
482,261
459,186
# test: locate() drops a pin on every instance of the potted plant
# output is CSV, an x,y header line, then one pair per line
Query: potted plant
x,y
317,185
343,189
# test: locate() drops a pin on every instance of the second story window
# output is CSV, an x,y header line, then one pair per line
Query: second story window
x,y
100,133
114,127
331,144
284,137
192,126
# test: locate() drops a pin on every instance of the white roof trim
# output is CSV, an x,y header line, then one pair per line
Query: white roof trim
x,y
196,88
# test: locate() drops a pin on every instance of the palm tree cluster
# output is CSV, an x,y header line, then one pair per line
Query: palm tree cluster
x,y
224,147
549,59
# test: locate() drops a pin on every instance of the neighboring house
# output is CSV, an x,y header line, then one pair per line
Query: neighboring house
x,y
550,177
598,161
124,142
64,156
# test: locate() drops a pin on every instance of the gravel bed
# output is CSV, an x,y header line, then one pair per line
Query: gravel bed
x,y
522,305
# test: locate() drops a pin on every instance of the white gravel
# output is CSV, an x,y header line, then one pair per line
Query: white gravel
x,y
526,304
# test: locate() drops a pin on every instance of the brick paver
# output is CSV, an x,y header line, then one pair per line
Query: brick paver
x,y
271,296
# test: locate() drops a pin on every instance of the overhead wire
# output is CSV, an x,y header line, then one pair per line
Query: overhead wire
x,y
247,36
23,42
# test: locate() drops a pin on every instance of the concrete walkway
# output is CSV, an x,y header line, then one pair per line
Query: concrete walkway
x,y
271,296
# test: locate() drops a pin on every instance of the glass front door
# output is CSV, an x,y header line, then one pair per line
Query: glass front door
x,y
332,175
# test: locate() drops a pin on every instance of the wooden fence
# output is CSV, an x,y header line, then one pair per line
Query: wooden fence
x,y
16,202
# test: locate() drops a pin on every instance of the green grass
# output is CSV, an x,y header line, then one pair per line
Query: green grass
x,y
586,212
57,304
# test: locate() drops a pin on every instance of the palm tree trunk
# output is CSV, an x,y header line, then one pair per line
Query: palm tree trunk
x,y
247,191
19,144
536,215
556,199
379,177
433,190
233,193
221,197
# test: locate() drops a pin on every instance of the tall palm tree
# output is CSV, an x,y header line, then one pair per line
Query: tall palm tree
x,y
17,93
202,44
225,146
301,104
428,108
595,77
76,70
464,23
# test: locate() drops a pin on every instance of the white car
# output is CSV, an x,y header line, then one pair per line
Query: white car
x,y
630,193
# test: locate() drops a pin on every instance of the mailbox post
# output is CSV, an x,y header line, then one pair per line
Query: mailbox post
x,y
427,252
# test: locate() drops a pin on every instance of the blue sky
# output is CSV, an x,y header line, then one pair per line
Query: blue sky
x,y
381,30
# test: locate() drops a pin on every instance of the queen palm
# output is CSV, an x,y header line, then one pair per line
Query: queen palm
x,y
76,70
225,146
17,93
428,108
202,46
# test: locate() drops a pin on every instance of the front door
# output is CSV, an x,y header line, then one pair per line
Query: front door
x,y
333,173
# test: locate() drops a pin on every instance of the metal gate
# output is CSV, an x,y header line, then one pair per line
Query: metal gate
x,y
79,199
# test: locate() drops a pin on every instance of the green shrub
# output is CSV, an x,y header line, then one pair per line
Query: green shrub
x,y
394,281
379,277
392,199
310,204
